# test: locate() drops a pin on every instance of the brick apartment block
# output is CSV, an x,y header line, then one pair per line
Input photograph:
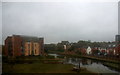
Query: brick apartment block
x,y
19,45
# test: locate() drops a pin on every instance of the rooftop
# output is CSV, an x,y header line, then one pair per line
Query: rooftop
x,y
29,38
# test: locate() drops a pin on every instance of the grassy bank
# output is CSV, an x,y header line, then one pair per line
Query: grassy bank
x,y
38,64
36,68
40,68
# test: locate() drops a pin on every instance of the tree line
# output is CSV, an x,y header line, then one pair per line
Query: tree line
x,y
75,45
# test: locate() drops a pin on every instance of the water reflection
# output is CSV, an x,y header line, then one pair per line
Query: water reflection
x,y
93,66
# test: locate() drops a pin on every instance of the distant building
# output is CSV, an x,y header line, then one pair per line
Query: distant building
x,y
89,50
117,48
19,45
83,51
117,38
65,47
0,49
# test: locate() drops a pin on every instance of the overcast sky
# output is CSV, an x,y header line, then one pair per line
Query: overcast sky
x,y
0,23
57,21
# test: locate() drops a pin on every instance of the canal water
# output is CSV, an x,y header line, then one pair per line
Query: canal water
x,y
55,55
91,65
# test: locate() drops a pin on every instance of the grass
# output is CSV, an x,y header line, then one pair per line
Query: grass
x,y
40,68
37,65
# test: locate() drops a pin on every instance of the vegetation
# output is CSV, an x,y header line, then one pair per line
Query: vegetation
x,y
38,64
41,68
37,68
53,48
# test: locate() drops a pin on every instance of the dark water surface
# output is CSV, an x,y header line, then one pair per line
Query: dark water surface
x,y
93,66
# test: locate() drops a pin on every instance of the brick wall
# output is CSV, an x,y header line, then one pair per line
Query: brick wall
x,y
17,42
16,46
41,45
8,46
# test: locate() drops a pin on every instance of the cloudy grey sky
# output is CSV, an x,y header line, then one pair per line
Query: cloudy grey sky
x,y
57,21
119,17
0,23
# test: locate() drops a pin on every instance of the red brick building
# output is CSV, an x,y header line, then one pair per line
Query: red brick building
x,y
117,49
19,45
83,51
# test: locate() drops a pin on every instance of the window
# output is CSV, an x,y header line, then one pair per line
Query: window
x,y
35,51
29,49
28,46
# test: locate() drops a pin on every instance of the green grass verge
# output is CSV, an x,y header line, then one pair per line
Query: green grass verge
x,y
39,68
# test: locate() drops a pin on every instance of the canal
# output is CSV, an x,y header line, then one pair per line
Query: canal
x,y
89,64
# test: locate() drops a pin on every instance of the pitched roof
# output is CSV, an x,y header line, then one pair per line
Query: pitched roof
x,y
29,38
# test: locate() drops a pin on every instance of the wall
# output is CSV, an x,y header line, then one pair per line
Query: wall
x,y
17,42
28,48
36,48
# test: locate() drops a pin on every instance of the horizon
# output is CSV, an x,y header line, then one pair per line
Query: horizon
x,y
59,41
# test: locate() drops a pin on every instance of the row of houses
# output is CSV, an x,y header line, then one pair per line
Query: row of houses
x,y
20,45
100,51
112,48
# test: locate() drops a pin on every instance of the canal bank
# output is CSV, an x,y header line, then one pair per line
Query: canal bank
x,y
116,62
107,62
91,65
92,57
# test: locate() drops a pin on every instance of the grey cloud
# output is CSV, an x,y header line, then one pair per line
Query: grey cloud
x,y
0,22
58,21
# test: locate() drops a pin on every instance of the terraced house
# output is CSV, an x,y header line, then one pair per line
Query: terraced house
x,y
20,45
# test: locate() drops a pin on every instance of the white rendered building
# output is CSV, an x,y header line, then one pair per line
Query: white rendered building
x,y
89,50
